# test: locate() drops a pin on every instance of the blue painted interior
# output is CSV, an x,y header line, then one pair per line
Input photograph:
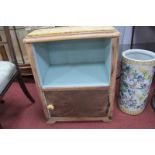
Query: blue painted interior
x,y
42,61
73,63
76,75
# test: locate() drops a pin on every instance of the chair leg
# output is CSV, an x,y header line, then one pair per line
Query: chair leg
x,y
23,87
1,100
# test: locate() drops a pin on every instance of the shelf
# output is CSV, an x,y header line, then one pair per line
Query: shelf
x,y
79,75
73,63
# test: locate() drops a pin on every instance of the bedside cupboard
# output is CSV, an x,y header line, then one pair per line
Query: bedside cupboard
x,y
75,71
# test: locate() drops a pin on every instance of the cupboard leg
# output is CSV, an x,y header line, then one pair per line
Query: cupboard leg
x,y
106,119
51,122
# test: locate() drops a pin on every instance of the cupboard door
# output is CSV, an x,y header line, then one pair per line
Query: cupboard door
x,y
88,103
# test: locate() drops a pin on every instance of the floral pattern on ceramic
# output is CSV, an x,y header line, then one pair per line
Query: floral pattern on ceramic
x,y
135,83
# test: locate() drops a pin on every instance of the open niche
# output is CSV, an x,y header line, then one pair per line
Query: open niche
x,y
73,63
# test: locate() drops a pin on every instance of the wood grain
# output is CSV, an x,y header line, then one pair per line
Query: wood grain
x,y
78,103
80,119
36,77
3,53
90,103
71,30
70,37
75,88
115,43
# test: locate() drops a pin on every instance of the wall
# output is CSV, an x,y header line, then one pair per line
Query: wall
x,y
144,37
143,34
125,31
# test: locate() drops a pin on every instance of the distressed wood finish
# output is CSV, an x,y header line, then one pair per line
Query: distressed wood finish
x,y
69,37
36,77
73,33
78,103
80,119
3,53
25,69
115,42
2,50
75,88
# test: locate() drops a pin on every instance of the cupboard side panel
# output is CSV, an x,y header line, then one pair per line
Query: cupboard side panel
x,y
36,77
115,44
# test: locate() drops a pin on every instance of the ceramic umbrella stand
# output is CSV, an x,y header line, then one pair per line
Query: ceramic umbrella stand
x,y
136,78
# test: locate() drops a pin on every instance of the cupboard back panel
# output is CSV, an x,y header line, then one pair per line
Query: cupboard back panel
x,y
75,51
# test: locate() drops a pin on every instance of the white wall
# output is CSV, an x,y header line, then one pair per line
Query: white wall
x,y
125,31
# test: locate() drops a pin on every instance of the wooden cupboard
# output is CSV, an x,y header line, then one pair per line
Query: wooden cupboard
x,y
75,71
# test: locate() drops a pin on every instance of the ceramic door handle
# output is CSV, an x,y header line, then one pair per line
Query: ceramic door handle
x,y
50,107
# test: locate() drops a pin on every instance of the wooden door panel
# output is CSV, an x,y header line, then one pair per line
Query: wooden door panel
x,y
91,103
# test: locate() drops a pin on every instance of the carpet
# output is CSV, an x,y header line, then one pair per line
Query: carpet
x,y
19,113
